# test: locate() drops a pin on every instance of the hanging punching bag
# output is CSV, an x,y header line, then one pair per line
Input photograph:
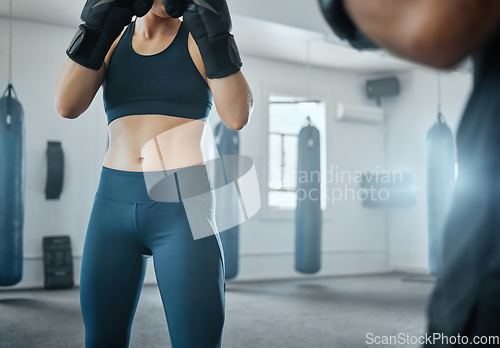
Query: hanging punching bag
x,y
440,185
228,143
11,188
308,214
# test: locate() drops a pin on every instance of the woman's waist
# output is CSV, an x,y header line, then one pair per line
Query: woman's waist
x,y
168,186
152,158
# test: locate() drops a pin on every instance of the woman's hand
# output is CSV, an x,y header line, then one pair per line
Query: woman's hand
x,y
215,51
209,22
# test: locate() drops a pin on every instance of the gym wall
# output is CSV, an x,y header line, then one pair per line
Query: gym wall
x,y
38,55
353,237
410,116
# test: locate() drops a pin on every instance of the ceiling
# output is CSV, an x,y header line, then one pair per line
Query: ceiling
x,y
294,33
281,42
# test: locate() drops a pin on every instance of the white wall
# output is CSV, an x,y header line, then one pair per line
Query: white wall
x,y
410,116
301,14
354,239
38,55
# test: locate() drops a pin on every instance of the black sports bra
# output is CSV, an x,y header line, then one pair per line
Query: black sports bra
x,y
165,83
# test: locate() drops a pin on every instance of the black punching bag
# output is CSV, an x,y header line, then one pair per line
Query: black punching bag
x,y
308,214
228,143
11,188
440,185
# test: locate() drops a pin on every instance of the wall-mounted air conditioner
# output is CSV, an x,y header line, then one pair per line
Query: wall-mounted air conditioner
x,y
357,113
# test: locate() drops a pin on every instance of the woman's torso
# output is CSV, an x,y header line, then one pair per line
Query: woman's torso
x,y
155,141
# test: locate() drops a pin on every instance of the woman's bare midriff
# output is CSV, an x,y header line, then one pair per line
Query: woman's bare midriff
x,y
154,142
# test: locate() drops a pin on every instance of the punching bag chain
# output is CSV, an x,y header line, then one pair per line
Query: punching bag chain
x,y
440,114
310,141
8,117
10,42
308,68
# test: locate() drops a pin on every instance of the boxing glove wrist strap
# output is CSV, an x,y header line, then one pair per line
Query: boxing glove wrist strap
x,y
220,55
90,45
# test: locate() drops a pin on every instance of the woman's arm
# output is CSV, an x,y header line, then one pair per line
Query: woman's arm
x,y
233,99
435,32
76,87
232,95
209,24
82,75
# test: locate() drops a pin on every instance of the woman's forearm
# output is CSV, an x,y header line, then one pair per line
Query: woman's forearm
x,y
75,88
435,32
233,100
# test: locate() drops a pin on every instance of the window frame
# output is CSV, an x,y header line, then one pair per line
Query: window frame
x,y
267,212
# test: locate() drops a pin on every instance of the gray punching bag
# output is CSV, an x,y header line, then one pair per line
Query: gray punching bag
x,y
11,188
440,185
308,214
228,143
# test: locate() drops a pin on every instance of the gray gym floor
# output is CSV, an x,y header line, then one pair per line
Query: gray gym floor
x,y
311,312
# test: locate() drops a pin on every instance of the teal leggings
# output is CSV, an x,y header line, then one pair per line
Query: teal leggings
x,y
126,227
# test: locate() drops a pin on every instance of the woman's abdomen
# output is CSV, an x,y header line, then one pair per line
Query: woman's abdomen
x,y
154,142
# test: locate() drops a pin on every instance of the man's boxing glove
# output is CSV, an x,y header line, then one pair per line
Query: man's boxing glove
x,y
175,8
338,19
104,21
210,24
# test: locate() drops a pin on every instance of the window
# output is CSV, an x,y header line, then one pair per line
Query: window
x,y
287,116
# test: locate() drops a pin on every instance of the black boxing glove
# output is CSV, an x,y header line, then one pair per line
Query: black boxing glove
x,y
104,21
175,8
338,19
210,24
